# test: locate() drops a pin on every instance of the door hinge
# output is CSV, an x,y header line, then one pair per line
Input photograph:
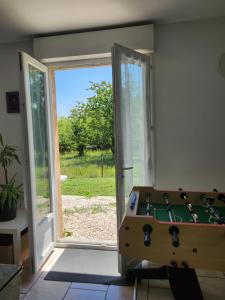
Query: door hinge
x,y
20,61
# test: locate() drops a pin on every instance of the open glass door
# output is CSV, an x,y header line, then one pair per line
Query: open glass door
x,y
131,84
39,185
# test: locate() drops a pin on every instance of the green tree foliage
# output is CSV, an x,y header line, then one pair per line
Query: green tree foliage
x,y
66,139
79,116
92,121
99,110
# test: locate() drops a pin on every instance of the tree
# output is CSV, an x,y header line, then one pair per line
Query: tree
x,y
66,142
99,110
92,122
79,127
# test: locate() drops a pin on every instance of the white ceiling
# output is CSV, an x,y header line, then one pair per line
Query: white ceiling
x,y
22,19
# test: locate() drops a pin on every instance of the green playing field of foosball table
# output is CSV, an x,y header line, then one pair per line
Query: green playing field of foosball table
x,y
179,213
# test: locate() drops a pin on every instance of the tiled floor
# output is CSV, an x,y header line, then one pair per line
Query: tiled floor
x,y
34,287
52,290
212,286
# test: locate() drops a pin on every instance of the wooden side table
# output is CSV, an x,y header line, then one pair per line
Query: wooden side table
x,y
15,227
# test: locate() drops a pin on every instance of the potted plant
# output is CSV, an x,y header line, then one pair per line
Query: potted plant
x,y
10,193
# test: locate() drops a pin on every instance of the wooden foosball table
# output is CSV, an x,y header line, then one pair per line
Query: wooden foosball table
x,y
183,230
175,228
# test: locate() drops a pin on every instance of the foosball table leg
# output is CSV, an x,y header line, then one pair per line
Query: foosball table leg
x,y
184,284
183,281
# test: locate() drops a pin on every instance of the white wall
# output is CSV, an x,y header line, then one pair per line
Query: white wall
x,y
190,106
11,124
58,47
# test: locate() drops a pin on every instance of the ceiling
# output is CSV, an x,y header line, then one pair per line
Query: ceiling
x,y
23,19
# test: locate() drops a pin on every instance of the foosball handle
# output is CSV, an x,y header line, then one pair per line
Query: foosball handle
x,y
147,229
174,231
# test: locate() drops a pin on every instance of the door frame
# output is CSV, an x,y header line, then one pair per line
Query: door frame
x,y
55,135
86,62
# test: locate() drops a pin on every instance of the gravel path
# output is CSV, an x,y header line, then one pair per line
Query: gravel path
x,y
92,219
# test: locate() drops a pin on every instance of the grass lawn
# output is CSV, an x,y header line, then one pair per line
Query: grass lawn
x,y
86,176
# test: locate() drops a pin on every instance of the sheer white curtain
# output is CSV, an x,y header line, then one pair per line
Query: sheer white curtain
x,y
131,81
135,120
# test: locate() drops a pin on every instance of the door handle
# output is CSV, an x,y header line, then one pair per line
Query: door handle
x,y
128,168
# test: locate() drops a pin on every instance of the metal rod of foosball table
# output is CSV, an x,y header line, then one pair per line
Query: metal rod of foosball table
x,y
135,289
169,207
148,204
173,230
170,215
184,196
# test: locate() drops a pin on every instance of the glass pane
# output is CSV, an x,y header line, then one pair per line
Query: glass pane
x,y
135,142
38,107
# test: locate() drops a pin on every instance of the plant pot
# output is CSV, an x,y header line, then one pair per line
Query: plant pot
x,y
8,213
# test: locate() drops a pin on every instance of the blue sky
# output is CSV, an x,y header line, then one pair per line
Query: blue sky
x,y
71,86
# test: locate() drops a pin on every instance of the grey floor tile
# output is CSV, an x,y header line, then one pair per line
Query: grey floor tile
x,y
209,273
212,288
142,289
120,293
76,294
159,283
159,294
28,280
48,290
89,286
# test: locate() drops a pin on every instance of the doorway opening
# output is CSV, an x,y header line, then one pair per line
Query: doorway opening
x,y
84,104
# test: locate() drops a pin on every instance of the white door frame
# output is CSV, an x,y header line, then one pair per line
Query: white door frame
x,y
30,186
82,62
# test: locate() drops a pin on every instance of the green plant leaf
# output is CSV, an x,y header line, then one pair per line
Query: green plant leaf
x,y
9,192
1,140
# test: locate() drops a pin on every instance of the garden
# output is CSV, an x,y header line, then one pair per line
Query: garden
x,y
86,147
92,174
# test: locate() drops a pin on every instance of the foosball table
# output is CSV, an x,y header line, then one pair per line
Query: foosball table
x,y
175,228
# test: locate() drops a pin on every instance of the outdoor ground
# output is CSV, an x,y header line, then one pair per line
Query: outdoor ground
x,y
88,196
90,219
90,175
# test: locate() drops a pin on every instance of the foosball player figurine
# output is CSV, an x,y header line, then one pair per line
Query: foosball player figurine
x,y
184,196
148,204
169,207
213,212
